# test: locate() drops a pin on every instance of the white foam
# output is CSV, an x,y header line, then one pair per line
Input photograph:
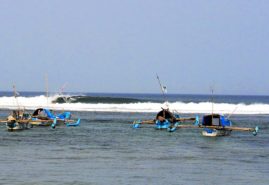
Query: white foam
x,y
202,107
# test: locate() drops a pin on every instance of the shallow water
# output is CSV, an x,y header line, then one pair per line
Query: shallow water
x,y
105,149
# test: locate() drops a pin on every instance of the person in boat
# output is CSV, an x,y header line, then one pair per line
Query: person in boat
x,y
20,114
165,114
40,114
12,117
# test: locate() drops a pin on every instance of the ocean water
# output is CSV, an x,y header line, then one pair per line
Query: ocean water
x,y
105,149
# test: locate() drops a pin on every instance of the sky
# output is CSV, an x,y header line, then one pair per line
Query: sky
x,y
118,46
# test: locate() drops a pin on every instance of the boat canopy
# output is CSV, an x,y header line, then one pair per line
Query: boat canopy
x,y
49,114
215,120
37,111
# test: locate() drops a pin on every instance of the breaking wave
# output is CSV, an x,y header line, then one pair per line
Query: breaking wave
x,y
118,104
94,99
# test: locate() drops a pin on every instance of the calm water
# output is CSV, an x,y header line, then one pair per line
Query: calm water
x,y
105,149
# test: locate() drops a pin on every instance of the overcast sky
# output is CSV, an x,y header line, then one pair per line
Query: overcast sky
x,y
119,45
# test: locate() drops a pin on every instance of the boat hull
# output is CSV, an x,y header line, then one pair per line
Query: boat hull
x,y
37,122
15,126
171,127
162,125
216,132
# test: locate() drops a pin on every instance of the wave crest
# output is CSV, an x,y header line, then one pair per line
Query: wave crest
x,y
128,105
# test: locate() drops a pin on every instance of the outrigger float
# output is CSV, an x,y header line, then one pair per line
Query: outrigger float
x,y
20,120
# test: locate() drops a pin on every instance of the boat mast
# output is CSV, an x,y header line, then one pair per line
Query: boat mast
x,y
47,88
15,93
212,102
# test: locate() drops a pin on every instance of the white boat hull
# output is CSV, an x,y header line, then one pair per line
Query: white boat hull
x,y
216,132
17,126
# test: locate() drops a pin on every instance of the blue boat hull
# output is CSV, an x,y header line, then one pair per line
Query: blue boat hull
x,y
162,125
171,127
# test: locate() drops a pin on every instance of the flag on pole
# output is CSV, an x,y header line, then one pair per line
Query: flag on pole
x,y
164,89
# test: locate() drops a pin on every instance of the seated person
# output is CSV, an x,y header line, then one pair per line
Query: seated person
x,y
11,119
40,114
165,114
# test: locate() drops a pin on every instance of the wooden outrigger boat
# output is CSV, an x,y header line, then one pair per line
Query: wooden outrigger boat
x,y
213,125
18,120
164,120
45,117
217,125
216,120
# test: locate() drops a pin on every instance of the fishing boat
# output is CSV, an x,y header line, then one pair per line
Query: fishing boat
x,y
218,125
164,120
45,117
18,120
216,120
214,125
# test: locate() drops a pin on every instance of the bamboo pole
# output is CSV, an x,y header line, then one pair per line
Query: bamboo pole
x,y
153,121
218,127
36,121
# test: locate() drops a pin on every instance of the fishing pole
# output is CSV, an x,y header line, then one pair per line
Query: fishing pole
x,y
232,112
163,88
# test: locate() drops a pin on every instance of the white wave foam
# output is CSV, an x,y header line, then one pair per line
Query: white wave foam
x,y
202,107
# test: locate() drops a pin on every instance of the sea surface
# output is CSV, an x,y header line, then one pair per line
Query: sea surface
x,y
105,149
